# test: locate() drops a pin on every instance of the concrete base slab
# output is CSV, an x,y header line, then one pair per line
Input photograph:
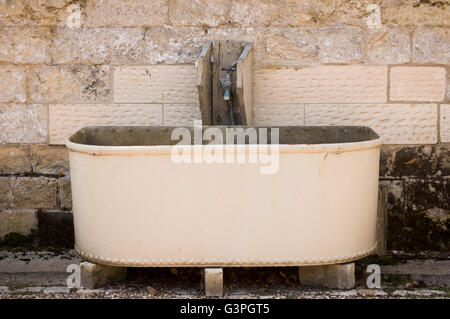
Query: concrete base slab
x,y
213,281
95,276
340,276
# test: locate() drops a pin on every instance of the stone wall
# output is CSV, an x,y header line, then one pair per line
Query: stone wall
x,y
65,64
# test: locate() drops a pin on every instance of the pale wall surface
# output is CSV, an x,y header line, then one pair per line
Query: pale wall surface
x,y
383,63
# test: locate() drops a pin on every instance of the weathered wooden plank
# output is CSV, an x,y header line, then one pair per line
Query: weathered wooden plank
x,y
244,83
204,85
225,54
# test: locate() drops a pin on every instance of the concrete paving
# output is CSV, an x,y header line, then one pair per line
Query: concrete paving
x,y
43,275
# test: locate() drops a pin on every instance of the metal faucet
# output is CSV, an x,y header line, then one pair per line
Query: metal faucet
x,y
227,85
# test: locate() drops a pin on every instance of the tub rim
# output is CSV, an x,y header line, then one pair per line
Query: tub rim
x,y
167,149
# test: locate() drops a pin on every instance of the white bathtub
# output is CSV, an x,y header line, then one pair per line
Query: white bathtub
x,y
134,206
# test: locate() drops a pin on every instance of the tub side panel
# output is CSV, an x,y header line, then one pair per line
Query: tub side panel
x,y
147,210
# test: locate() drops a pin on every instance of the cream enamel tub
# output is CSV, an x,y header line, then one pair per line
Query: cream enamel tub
x,y
134,206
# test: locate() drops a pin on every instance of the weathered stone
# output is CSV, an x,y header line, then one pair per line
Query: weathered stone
x,y
304,12
416,12
78,84
95,276
253,35
428,194
25,44
417,83
15,159
65,193
98,46
198,12
431,45
426,222
12,84
396,213
23,123
35,12
55,229
253,13
448,83
52,160
284,45
5,194
415,161
213,280
340,44
30,192
173,45
137,13
443,160
445,123
385,45
340,276
356,12
382,220
22,222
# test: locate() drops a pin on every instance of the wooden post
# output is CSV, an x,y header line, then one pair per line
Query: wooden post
x,y
204,84
214,58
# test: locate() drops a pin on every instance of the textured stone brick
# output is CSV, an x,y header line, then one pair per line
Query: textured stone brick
x,y
12,84
52,160
445,123
35,12
55,229
181,114
253,13
396,123
156,84
173,45
431,45
65,193
23,123
340,44
65,120
253,35
279,114
305,12
98,46
5,193
416,12
324,84
23,221
387,46
417,83
292,44
15,159
139,13
69,84
198,12
25,44
34,192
